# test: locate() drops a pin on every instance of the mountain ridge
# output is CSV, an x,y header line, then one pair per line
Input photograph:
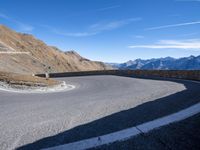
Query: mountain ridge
x,y
40,57
166,63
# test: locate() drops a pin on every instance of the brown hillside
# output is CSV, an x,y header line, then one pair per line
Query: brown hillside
x,y
40,58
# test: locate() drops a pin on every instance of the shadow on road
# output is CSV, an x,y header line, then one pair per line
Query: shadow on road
x,y
145,112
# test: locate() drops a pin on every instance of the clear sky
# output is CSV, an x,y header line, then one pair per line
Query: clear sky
x,y
110,30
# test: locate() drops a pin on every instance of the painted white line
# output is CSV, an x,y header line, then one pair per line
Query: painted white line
x,y
130,132
188,112
97,141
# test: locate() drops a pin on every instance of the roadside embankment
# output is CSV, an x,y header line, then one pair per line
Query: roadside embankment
x,y
12,82
19,80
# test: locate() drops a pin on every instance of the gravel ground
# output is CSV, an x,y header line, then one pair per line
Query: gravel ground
x,y
98,105
62,86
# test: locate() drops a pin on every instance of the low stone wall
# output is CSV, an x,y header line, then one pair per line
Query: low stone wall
x,y
179,74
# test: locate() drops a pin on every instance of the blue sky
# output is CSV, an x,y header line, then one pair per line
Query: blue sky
x,y
110,30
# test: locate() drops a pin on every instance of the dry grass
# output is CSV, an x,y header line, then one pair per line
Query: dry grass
x,y
27,80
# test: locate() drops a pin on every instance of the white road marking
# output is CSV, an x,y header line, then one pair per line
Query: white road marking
x,y
183,114
130,132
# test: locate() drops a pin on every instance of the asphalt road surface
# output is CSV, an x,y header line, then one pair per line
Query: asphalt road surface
x,y
98,105
183,135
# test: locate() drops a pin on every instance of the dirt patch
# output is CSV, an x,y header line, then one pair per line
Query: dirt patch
x,y
17,80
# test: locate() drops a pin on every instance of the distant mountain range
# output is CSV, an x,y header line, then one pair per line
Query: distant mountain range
x,y
167,63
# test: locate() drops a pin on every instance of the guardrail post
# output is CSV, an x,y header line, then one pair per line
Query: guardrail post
x,y
47,76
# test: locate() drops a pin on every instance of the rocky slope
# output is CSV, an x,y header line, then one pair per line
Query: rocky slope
x,y
22,53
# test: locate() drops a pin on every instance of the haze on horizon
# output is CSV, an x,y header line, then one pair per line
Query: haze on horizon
x,y
110,30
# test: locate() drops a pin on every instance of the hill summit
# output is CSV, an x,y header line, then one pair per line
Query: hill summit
x,y
23,53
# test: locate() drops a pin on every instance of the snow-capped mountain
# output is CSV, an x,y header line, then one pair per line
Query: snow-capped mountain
x,y
167,63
